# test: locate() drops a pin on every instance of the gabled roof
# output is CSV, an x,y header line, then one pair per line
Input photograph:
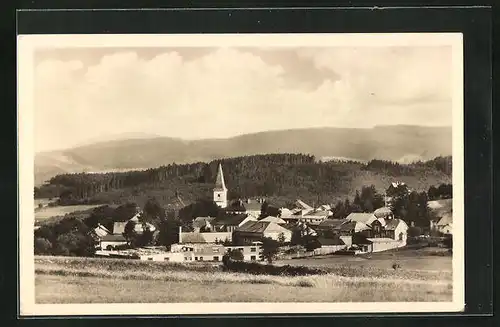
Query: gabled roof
x,y
273,219
319,213
101,231
346,226
331,223
231,220
220,185
113,238
365,218
253,227
302,205
261,227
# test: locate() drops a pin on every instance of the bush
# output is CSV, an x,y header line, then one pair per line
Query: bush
x,y
261,269
234,254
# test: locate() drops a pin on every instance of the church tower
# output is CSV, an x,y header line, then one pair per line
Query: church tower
x,y
220,190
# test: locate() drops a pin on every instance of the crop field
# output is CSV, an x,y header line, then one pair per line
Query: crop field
x,y
49,212
99,280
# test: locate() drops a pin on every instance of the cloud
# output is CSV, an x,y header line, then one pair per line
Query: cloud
x,y
223,93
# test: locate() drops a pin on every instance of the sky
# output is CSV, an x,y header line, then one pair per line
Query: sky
x,y
90,94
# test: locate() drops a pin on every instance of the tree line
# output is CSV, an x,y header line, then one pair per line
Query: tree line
x,y
274,175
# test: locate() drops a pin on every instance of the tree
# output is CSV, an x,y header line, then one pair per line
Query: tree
x,y
269,249
263,209
42,246
169,232
153,211
235,254
129,233
281,238
432,193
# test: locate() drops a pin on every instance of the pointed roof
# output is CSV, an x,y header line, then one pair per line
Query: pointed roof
x,y
220,185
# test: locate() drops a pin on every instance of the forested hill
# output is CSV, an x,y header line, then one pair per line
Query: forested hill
x,y
280,177
395,143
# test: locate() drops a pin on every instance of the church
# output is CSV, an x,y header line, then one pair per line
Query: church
x,y
220,189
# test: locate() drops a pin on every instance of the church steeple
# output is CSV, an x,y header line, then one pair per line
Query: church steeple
x,y
219,181
220,190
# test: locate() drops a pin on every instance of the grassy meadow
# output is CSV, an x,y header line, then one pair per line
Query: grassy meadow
x,y
58,211
99,280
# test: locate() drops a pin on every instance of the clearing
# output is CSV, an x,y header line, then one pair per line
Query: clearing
x,y
49,212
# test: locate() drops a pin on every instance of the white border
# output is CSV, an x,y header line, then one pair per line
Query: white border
x,y
27,44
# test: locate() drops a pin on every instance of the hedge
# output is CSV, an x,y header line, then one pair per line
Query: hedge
x,y
263,269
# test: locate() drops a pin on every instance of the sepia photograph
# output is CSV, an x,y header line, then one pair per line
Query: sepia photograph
x,y
226,173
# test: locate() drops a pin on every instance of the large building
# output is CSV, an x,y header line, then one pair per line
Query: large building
x,y
220,189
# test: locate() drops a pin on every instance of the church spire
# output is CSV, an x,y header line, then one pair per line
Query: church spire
x,y
219,181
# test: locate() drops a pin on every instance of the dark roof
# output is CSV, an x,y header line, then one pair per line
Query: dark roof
x,y
346,226
331,223
113,238
230,220
254,226
330,241
391,224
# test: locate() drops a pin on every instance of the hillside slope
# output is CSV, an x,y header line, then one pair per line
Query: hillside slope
x,y
395,143
279,177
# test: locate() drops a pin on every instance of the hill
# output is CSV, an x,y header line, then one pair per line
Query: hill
x,y
394,143
282,178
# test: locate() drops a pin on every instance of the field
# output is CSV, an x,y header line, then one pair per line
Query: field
x,y
93,280
49,212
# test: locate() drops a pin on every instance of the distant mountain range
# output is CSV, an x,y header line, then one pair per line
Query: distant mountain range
x,y
396,143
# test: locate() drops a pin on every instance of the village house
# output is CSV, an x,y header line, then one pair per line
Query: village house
x,y
229,222
256,230
248,207
329,245
303,212
445,224
327,226
204,237
111,242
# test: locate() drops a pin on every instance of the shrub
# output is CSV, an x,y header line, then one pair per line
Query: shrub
x,y
261,269
234,254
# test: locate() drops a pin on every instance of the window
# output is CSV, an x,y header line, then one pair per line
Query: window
x,y
150,259
201,258
196,258
167,259
253,249
215,250
216,258
218,195
253,258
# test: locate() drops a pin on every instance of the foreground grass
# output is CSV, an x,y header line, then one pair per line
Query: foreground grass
x,y
77,280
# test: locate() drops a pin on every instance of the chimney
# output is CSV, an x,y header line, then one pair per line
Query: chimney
x,y
180,234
